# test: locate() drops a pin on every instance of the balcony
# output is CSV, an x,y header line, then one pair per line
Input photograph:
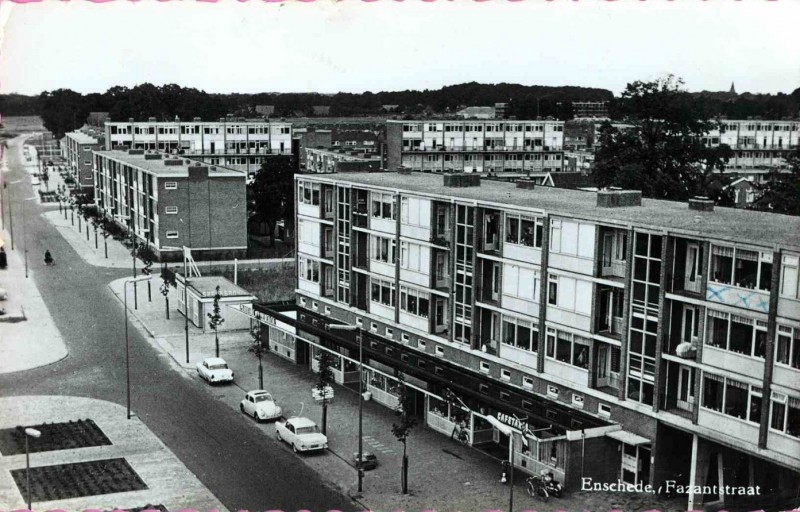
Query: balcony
x,y
613,268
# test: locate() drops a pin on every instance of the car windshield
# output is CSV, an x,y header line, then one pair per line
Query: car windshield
x,y
263,398
307,430
218,366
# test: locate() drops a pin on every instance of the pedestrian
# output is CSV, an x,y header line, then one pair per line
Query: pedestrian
x,y
48,258
3,259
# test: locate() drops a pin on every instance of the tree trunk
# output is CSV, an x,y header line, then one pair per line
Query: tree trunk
x,y
325,416
149,296
405,470
167,301
260,372
216,341
272,227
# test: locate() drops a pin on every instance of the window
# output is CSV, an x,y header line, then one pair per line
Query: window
x,y
389,333
527,382
383,206
172,234
736,333
741,268
785,414
570,294
414,301
383,249
439,351
577,400
382,291
552,391
415,211
569,348
309,269
731,397
359,322
374,328
421,345
308,193
604,410
170,185
572,238
789,277
505,374
504,396
524,230
405,338
520,334
521,282
788,346
484,367
415,257
171,210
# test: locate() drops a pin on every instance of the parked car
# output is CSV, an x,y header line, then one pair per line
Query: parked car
x,y
301,434
214,369
327,393
260,405
368,460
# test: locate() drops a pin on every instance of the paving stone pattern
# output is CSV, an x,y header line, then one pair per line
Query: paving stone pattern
x,y
55,436
65,481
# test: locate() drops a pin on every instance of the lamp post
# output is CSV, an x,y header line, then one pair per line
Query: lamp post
x,y
29,432
359,337
24,236
127,349
185,295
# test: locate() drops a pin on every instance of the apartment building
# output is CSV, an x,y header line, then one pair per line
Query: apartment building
x,y
320,160
231,142
590,109
475,146
758,146
620,337
76,149
173,201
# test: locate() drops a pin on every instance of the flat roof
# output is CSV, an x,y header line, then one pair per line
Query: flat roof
x,y
462,120
207,287
747,226
189,121
81,137
159,168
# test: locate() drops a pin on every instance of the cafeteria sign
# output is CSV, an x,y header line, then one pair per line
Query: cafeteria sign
x,y
513,421
248,310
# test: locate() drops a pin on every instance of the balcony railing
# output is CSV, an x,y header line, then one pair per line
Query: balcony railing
x,y
616,268
489,148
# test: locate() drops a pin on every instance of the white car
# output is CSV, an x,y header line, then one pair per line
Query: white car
x,y
214,369
260,405
302,434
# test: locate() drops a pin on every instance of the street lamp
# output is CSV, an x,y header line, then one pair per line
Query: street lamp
x,y
132,229
357,329
127,350
24,236
185,294
29,432
11,214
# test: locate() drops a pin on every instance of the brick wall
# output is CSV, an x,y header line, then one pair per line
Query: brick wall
x,y
394,144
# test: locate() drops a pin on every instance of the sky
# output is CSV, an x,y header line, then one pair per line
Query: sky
x,y
356,46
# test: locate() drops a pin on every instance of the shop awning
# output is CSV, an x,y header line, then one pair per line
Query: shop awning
x,y
628,437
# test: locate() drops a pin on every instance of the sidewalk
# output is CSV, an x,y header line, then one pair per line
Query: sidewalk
x,y
28,336
443,475
168,481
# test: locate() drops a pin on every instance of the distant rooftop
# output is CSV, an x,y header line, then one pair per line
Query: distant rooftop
x,y
757,228
158,166
207,287
82,137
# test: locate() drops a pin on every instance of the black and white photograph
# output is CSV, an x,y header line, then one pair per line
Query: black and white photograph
x,y
399,256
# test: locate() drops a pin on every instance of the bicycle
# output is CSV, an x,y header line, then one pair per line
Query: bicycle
x,y
460,434
536,488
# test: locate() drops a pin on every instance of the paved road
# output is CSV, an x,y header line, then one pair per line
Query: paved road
x,y
241,466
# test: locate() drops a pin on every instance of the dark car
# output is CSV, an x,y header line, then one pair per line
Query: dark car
x,y
368,460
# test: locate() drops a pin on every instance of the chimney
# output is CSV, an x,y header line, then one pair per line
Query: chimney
x,y
619,198
701,204
461,180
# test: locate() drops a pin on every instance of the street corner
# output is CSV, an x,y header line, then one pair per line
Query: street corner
x,y
84,440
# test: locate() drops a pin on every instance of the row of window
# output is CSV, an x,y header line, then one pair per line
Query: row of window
x,y
475,127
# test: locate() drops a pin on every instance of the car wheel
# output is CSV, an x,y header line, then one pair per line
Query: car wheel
x,y
241,408
294,448
279,435
255,416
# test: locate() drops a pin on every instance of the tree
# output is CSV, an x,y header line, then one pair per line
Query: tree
x,y
259,349
147,260
215,319
167,280
662,153
405,422
273,193
780,192
325,378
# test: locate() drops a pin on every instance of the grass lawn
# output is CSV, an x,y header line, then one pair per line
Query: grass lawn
x,y
269,285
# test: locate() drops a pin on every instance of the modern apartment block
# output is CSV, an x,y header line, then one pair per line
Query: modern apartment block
x,y
234,143
475,146
649,340
758,146
173,201
320,160
590,109
76,149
